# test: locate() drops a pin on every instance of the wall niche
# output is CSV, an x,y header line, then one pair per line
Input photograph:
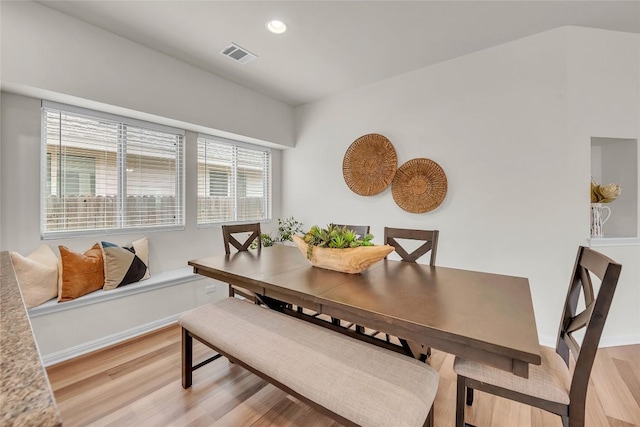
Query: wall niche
x,y
616,160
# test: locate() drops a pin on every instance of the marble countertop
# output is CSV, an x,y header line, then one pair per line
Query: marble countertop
x,y
26,398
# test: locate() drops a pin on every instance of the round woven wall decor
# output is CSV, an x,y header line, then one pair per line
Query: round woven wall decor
x,y
419,186
369,164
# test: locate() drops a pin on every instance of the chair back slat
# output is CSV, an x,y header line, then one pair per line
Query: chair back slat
x,y
409,257
572,344
587,285
596,263
581,320
398,248
229,232
593,317
430,238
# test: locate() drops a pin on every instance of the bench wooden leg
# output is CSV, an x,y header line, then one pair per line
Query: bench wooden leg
x,y
187,359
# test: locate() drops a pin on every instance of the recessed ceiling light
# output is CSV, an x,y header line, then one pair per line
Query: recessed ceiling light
x,y
276,27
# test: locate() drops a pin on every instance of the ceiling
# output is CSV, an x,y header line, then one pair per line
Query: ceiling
x,y
334,46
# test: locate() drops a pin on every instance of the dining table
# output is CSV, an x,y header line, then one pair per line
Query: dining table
x,y
475,315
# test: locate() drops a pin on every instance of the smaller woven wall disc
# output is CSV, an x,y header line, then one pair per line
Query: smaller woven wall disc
x,y
419,186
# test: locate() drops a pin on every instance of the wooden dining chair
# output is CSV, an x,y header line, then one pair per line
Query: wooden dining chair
x,y
229,234
429,237
551,386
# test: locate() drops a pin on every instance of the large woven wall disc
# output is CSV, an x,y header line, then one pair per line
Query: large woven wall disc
x,y
369,164
419,186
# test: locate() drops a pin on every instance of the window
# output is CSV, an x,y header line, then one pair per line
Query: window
x,y
233,181
108,173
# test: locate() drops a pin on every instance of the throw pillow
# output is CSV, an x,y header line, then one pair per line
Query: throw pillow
x,y
125,264
80,274
37,275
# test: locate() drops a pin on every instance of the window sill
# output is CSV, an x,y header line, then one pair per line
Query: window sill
x,y
220,224
156,281
102,233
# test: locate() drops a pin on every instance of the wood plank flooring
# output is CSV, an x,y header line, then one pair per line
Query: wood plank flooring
x,y
137,383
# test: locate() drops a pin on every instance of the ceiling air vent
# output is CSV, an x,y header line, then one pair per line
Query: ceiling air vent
x,y
238,53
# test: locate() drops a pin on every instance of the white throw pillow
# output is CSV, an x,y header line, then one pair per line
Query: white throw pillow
x,y
37,275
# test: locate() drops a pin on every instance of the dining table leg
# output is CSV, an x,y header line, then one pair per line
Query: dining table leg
x,y
415,350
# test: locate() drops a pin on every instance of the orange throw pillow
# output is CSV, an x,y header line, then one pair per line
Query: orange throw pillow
x,y
80,274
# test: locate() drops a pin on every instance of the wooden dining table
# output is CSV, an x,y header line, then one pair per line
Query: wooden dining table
x,y
475,315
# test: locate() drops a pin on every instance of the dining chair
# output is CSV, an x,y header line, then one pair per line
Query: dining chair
x,y
229,234
551,386
429,237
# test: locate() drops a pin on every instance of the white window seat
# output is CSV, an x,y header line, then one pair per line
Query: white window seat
x,y
156,281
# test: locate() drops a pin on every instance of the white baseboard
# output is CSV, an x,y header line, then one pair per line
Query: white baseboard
x,y
547,341
619,340
88,347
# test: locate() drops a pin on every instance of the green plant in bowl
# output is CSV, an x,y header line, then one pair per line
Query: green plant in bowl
x,y
340,249
334,237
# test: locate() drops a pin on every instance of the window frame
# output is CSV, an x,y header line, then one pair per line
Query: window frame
x,y
180,180
233,177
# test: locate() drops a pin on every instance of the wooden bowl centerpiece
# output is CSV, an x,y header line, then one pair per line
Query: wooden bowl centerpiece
x,y
338,249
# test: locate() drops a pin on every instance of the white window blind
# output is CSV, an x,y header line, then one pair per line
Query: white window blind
x,y
233,181
108,173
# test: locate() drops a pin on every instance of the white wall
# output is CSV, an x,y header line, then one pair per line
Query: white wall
x,y
498,122
66,334
47,53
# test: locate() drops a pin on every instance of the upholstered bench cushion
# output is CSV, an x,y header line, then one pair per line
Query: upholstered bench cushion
x,y
368,385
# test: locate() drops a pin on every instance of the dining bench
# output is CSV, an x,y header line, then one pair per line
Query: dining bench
x,y
353,382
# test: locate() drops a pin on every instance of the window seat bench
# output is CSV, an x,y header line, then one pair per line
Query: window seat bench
x,y
351,381
156,281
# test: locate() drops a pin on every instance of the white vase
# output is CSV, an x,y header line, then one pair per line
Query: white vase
x,y
599,215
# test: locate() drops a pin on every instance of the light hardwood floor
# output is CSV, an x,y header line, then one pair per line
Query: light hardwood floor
x,y
137,383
